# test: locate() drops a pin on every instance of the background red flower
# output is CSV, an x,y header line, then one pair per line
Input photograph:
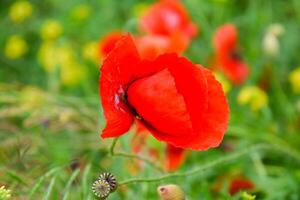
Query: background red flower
x,y
227,54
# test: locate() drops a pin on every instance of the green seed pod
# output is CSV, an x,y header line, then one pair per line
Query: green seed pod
x,y
101,188
111,180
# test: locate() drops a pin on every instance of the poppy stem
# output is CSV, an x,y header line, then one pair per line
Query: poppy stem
x,y
146,160
215,163
133,156
112,147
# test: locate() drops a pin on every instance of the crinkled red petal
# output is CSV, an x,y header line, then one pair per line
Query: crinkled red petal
x,y
109,41
157,101
116,73
174,157
180,102
216,116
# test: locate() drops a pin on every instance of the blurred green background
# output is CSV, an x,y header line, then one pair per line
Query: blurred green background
x,y
50,113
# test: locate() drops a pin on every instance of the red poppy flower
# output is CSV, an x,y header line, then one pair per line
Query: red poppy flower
x,y
227,55
239,184
108,42
179,102
166,17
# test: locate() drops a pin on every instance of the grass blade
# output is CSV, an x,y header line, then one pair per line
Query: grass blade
x,y
49,190
70,181
41,180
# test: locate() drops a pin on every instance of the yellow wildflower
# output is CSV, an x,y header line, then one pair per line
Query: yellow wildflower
x,y
71,75
19,11
51,29
81,12
47,56
90,52
254,96
224,82
15,47
294,78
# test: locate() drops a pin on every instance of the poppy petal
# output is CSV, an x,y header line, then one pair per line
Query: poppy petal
x,y
174,157
217,113
108,43
116,73
174,98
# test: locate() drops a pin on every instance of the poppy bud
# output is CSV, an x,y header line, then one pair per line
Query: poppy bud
x,y
170,192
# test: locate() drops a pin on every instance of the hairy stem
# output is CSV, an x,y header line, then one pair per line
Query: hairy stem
x,y
213,164
133,156
112,147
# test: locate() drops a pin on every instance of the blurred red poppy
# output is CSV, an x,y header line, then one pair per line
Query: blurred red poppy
x,y
178,102
227,54
239,184
150,46
167,17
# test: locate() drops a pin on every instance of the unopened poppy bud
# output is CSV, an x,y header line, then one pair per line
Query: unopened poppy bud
x,y
170,192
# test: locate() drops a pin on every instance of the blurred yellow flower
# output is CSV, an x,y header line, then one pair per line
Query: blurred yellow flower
x,y
81,12
72,75
224,82
61,57
254,96
90,52
294,78
19,11
15,47
47,55
51,29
